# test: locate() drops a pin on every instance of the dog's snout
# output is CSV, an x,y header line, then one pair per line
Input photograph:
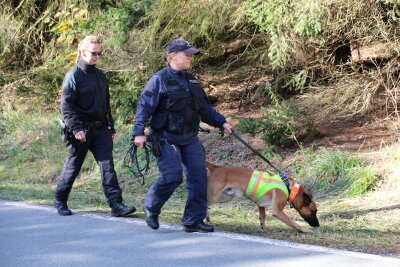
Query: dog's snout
x,y
312,221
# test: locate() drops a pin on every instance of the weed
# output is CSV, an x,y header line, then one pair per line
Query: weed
x,y
224,155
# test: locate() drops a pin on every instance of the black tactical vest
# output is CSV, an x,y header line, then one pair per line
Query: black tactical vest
x,y
178,110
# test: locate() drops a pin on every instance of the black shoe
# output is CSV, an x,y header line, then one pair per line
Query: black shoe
x,y
151,219
201,227
62,208
119,209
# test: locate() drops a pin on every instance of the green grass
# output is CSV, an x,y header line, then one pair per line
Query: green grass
x,y
358,205
333,172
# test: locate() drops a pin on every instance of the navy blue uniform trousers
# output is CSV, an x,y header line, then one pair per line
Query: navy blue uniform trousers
x,y
173,162
99,142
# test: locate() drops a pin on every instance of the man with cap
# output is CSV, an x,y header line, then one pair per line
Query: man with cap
x,y
176,103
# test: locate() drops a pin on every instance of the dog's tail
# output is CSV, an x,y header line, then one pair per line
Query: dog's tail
x,y
210,166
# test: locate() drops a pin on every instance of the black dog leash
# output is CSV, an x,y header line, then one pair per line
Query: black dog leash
x,y
138,165
281,173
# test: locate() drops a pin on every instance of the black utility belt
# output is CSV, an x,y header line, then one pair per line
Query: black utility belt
x,y
95,124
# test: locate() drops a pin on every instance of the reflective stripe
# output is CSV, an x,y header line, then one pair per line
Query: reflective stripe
x,y
261,183
256,178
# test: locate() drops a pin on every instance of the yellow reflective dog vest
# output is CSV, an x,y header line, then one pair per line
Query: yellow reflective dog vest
x,y
261,183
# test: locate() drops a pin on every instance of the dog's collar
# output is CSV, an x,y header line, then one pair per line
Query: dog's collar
x,y
294,190
285,180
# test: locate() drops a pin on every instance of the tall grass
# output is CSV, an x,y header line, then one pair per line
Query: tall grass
x,y
331,172
388,168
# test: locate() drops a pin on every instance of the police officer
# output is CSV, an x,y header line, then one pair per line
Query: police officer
x,y
85,109
176,103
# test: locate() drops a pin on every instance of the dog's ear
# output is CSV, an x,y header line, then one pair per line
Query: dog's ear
x,y
306,200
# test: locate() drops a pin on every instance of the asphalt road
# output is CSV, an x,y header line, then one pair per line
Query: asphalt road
x,y
32,235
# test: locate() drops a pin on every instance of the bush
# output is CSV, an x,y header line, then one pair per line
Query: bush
x,y
278,125
248,125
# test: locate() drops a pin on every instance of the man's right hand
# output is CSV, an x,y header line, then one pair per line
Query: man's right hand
x,y
140,140
80,136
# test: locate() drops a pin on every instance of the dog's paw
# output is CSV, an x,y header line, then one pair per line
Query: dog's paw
x,y
305,231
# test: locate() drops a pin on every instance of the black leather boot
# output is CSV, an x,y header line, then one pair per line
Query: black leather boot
x,y
62,208
201,227
119,209
151,219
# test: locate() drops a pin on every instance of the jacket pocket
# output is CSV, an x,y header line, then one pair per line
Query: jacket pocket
x,y
177,100
158,121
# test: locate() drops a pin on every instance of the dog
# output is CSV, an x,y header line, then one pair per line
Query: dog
x,y
227,182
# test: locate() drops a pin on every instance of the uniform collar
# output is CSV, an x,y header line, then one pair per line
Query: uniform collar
x,y
84,66
177,73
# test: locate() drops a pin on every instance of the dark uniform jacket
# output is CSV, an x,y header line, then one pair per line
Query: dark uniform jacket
x,y
85,98
176,103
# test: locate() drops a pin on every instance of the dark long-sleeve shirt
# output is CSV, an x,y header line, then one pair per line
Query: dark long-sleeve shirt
x,y
85,97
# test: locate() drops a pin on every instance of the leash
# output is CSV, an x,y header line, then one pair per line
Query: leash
x,y
138,163
281,173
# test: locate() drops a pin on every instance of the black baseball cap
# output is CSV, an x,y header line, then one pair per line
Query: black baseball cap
x,y
183,46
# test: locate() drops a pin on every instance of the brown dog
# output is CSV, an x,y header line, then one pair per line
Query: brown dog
x,y
225,183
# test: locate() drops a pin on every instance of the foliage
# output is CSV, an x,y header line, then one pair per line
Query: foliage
x,y
335,172
133,38
3,127
314,45
281,20
70,24
29,41
248,125
201,22
278,125
124,97
123,17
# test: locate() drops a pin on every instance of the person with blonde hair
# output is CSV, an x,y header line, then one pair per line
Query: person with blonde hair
x,y
89,126
175,103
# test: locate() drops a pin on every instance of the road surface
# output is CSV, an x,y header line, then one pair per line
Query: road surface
x,y
33,235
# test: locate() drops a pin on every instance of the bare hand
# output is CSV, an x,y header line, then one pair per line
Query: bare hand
x,y
140,140
227,128
80,136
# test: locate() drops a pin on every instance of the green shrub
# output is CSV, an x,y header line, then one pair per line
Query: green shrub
x,y
248,125
277,126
